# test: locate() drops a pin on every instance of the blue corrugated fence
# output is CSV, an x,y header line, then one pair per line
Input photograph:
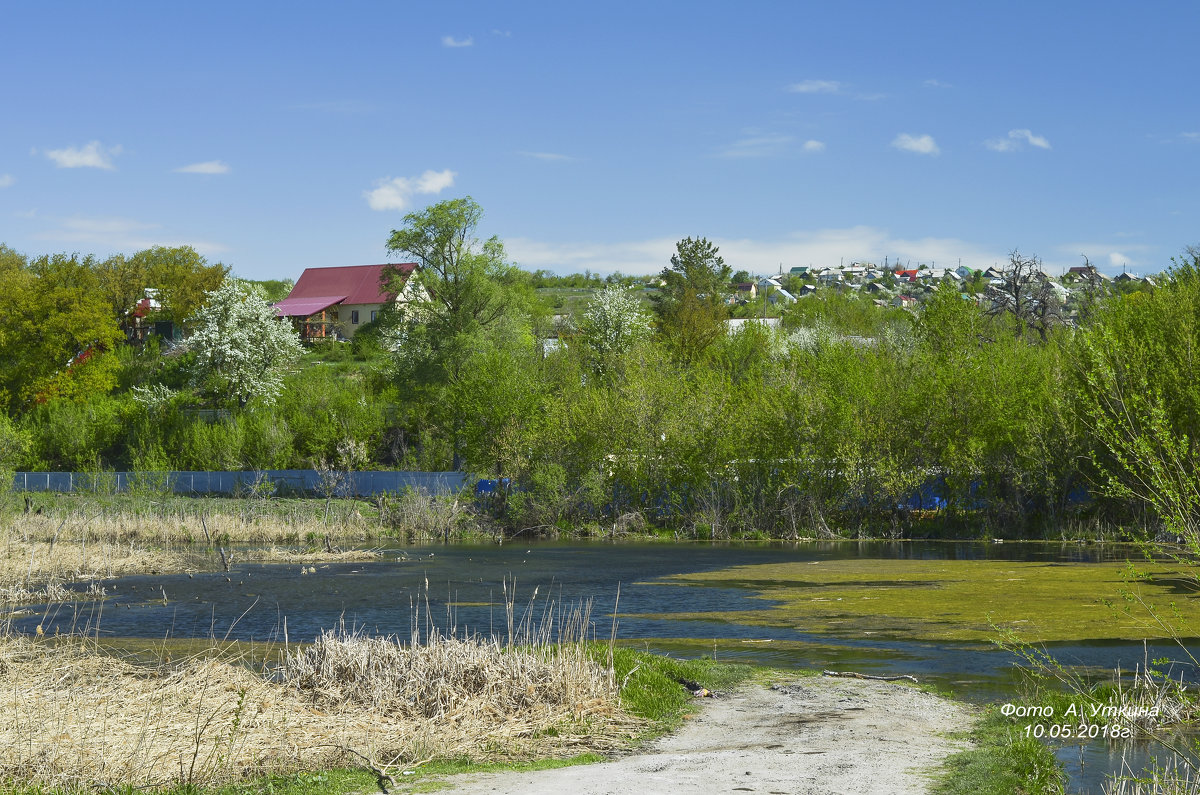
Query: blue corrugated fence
x,y
277,481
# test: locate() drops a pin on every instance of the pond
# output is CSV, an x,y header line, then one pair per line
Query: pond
x,y
670,598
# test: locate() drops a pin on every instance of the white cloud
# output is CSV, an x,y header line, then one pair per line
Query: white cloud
x,y
814,146
502,33
757,146
1016,141
815,87
819,247
1191,137
550,156
1119,254
932,83
7,180
922,144
207,167
396,193
450,41
112,233
93,155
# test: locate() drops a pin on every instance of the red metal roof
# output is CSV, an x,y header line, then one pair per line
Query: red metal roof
x,y
303,307
357,284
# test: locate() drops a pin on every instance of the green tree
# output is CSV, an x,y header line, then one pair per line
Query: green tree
x,y
464,288
1141,399
182,277
691,307
123,282
55,331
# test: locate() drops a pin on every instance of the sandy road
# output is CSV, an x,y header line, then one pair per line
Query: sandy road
x,y
813,736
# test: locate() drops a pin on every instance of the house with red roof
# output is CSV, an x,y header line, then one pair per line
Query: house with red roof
x,y
336,302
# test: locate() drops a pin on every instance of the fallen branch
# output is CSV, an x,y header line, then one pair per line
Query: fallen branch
x,y
856,675
383,778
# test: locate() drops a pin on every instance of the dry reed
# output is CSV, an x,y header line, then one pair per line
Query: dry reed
x,y
39,554
71,716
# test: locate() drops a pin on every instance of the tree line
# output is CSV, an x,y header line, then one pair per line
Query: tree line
x,y
644,409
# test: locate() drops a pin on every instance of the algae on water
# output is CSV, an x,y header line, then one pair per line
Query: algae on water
x,y
963,600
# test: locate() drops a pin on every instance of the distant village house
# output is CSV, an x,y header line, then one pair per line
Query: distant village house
x,y
336,302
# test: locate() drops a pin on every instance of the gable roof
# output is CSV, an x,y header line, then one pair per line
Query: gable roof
x,y
356,284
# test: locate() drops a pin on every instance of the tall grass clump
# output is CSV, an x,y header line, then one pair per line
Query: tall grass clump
x,y
73,718
472,681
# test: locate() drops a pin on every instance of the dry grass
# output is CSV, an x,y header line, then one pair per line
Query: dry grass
x,y
40,554
292,555
180,529
71,716
32,564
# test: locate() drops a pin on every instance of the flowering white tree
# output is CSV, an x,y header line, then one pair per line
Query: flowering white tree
x,y
613,322
242,348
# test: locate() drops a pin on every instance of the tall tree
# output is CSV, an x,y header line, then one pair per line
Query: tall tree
x,y
1141,399
463,288
54,330
1026,296
691,305
182,277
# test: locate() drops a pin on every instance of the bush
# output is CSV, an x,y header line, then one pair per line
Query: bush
x,y
79,436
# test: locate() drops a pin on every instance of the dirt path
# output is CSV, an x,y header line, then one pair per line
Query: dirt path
x,y
811,737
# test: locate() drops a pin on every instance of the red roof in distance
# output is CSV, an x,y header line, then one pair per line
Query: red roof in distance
x,y
360,284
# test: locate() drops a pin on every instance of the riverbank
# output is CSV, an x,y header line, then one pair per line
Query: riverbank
x,y
74,720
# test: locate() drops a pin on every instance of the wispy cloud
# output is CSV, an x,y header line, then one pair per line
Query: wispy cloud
x,y
814,146
548,156
815,87
92,155
7,180
814,247
450,41
396,193
207,167
502,33
920,144
932,83
1016,141
113,233
757,146
1191,137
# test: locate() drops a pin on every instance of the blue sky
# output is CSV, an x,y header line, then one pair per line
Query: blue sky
x,y
275,137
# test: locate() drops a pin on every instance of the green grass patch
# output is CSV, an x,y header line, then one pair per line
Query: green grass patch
x,y
1003,761
961,600
650,683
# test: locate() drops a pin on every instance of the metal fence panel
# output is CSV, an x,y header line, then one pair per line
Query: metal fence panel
x,y
271,481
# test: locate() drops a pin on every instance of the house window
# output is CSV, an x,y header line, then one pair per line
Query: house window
x,y
373,314
354,317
